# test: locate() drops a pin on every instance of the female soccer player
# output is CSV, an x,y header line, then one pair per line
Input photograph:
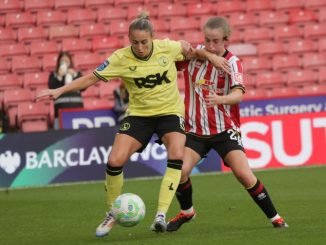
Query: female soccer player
x,y
212,121
148,70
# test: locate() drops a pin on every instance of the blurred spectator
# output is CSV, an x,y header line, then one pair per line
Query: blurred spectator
x,y
121,101
63,74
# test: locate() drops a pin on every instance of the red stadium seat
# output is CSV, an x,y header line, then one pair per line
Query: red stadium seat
x,y
106,15
168,10
302,17
314,60
51,18
201,9
31,34
17,20
101,103
301,46
273,18
255,94
300,78
315,30
271,48
60,32
80,16
289,4
93,30
237,37
84,61
36,5
68,4
133,12
119,27
44,47
7,35
183,24
250,81
257,35
8,82
127,3
315,4
106,89
282,92
11,6
74,45
4,66
243,21
106,44
160,25
35,80
322,45
322,76
313,90
98,4
286,62
270,80
259,5
257,64
32,117
49,62
21,64
288,33
233,6
91,92
194,37
322,15
11,99
9,50
243,49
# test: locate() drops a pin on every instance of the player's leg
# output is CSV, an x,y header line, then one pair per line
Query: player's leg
x,y
123,147
234,156
184,191
170,130
127,141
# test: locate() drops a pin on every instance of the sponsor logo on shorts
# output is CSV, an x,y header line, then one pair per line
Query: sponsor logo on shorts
x,y
125,126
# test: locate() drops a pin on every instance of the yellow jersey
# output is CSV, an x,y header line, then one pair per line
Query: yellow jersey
x,y
151,83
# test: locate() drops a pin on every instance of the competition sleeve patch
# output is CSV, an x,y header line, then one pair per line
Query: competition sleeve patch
x,y
103,66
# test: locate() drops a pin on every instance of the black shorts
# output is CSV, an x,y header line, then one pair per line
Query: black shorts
x,y
222,143
142,128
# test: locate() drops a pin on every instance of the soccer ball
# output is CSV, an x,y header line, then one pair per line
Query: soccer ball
x,y
128,209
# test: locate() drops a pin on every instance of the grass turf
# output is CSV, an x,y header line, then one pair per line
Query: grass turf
x,y
225,212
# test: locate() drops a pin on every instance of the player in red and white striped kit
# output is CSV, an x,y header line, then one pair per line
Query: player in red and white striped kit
x,y
212,121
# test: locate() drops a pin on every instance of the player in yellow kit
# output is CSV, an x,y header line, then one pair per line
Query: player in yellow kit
x,y
147,68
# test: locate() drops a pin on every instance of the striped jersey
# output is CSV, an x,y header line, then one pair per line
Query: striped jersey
x,y
201,78
151,83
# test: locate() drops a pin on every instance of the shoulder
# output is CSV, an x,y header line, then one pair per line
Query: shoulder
x,y
166,43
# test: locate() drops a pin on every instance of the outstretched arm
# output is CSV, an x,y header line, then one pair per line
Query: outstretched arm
x,y
217,61
78,84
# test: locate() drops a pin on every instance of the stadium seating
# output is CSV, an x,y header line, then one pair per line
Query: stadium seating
x,y
98,4
269,80
106,89
49,62
119,28
21,64
289,4
68,4
233,6
61,32
194,38
10,6
200,9
105,44
30,34
184,24
133,12
282,92
302,17
286,62
315,4
32,117
315,30
314,60
22,19
4,66
51,18
243,49
273,18
7,35
288,33
259,5
301,78
101,103
74,45
106,15
257,35
37,5
9,50
243,21
40,48
313,89
302,46
80,16
91,92
86,60
93,30
168,10
271,48
35,80
257,64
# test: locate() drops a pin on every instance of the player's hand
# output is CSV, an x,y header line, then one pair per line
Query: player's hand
x,y
213,99
47,94
221,63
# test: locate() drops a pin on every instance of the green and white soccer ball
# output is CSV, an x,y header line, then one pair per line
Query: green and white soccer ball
x,y
128,209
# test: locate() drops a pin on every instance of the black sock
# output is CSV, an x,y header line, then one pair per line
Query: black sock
x,y
184,195
263,200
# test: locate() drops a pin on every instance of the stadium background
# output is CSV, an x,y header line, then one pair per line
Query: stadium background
x,y
282,45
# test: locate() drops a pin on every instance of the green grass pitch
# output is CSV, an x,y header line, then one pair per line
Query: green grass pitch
x,y
226,214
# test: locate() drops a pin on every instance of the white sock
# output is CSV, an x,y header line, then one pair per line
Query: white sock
x,y
277,216
188,211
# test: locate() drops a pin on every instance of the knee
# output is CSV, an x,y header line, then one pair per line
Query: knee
x,y
115,161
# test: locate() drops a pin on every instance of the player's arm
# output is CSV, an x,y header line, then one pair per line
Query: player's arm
x,y
234,97
78,84
217,61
